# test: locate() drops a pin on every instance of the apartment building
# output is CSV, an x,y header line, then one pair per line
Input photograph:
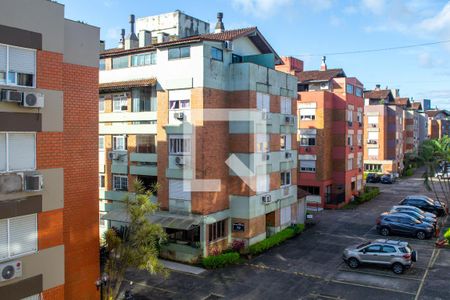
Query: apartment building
x,y
211,121
330,134
48,156
422,121
384,132
410,125
438,123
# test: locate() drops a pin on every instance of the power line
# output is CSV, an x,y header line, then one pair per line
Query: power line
x,y
374,50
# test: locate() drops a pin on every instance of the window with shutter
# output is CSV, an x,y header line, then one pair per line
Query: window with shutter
x,y
285,215
179,189
285,103
3,67
18,236
262,183
263,101
308,165
3,164
4,249
21,151
22,66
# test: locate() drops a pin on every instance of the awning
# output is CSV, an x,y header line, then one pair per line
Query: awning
x,y
166,219
125,85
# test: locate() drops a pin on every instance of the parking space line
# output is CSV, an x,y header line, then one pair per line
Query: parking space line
x,y
381,275
371,287
149,286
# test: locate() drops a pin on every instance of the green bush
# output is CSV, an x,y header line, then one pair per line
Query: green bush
x,y
276,239
369,194
447,235
221,260
409,172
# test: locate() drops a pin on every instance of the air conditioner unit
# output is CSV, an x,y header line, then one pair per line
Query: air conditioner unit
x,y
11,96
265,156
180,161
228,45
266,199
288,155
33,100
113,155
33,183
374,125
179,115
287,119
10,270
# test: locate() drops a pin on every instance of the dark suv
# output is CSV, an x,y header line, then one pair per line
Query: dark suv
x,y
372,178
426,204
403,224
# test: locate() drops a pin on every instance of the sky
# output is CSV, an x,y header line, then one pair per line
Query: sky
x,y
307,29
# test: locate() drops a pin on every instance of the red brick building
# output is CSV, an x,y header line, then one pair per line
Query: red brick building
x,y
48,153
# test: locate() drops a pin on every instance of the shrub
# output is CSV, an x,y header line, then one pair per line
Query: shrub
x,y
369,194
447,235
276,239
409,172
237,245
221,260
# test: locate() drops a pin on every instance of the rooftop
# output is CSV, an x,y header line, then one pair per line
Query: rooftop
x,y
377,94
327,75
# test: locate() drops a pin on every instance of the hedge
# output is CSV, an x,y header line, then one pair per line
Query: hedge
x,y
276,239
447,235
369,194
221,260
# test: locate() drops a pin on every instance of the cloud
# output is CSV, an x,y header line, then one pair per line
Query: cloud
x,y
109,3
260,8
374,6
426,60
318,5
439,22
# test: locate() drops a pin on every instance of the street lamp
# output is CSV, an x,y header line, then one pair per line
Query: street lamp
x,y
101,282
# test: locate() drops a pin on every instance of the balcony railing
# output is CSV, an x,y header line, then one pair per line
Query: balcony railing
x,y
372,142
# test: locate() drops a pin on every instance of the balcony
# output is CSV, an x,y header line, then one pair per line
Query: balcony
x,y
144,170
143,157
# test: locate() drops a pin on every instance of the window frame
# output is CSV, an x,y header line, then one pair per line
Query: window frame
x,y
307,117
216,50
179,56
7,71
102,181
121,101
121,177
120,57
180,137
308,138
101,103
151,59
214,234
349,88
283,179
309,170
8,170
36,245
124,142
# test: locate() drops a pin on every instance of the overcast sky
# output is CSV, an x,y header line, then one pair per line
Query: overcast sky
x,y
309,28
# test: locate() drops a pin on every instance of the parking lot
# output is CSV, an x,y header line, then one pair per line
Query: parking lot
x,y
310,266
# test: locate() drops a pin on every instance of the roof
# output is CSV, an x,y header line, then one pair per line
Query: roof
x,y
310,76
377,94
302,193
124,85
402,102
251,32
416,106
434,113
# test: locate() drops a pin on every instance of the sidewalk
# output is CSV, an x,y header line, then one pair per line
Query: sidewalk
x,y
182,267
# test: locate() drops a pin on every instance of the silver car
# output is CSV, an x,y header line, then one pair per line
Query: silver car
x,y
401,208
395,254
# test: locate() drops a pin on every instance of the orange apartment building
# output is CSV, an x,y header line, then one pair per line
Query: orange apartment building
x,y
330,134
48,153
410,124
384,132
438,123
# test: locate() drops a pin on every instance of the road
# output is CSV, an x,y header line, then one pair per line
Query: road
x,y
310,265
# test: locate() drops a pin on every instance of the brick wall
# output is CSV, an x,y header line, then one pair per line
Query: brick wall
x,y
56,293
49,150
50,229
49,70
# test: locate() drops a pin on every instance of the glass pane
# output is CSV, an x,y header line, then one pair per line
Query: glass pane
x,y
23,234
185,51
174,53
2,151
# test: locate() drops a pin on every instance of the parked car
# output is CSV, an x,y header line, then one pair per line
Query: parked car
x,y
442,174
372,178
416,215
387,179
403,224
397,255
426,203
413,208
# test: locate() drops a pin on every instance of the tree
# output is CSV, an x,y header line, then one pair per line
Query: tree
x,y
136,245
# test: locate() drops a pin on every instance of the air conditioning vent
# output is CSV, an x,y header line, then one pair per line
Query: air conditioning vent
x,y
288,155
113,155
179,116
266,199
228,45
33,183
10,270
180,161
33,100
11,96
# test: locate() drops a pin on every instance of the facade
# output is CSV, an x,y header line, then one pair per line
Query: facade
x,y
410,125
384,132
330,134
48,156
170,119
425,103
438,123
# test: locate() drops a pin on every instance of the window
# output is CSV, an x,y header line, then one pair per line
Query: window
x,y
262,183
262,142
179,104
263,101
101,64
285,142
101,104
17,152
217,230
143,59
18,236
359,117
146,143
101,181
101,142
373,249
285,178
350,115
119,143
350,140
313,190
120,183
120,102
285,103
372,119
359,160
358,92
389,249
144,99
307,114
216,54
179,144
179,52
120,62
236,58
307,165
17,66
349,89
359,138
180,189
307,139
285,215
349,164
372,152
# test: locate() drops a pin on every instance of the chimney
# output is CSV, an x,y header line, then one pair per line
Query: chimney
x,y
131,41
219,25
145,38
377,87
102,46
323,65
122,39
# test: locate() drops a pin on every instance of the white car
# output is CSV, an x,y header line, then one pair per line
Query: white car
x,y
441,174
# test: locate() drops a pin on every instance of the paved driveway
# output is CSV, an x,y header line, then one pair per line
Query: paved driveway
x,y
310,266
